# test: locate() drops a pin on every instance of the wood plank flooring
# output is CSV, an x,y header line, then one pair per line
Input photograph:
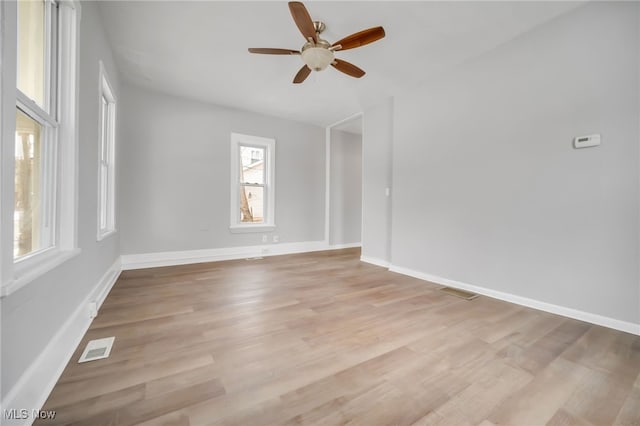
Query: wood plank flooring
x,y
324,339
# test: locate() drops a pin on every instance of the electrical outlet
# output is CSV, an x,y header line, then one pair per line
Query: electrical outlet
x,y
265,238
276,239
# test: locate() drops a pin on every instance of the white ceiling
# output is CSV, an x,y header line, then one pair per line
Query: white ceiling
x,y
198,50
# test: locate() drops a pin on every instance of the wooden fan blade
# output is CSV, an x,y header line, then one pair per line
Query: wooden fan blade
x,y
302,75
361,38
303,20
348,68
270,51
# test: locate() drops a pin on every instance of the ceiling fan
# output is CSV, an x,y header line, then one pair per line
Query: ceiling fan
x,y
318,54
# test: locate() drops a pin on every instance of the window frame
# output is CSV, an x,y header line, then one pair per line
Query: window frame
x,y
268,144
106,155
46,116
60,108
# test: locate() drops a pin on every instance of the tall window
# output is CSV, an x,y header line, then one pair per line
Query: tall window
x,y
106,177
36,128
252,183
42,151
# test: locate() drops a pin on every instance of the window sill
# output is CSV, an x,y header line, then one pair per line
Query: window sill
x,y
243,229
36,267
106,234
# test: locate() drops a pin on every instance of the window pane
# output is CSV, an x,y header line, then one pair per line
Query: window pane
x,y
31,50
251,204
252,165
28,202
106,211
104,177
105,129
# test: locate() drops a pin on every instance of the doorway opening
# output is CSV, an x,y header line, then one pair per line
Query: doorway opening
x,y
343,216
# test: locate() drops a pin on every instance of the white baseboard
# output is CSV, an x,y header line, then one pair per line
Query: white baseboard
x,y
613,323
171,258
344,246
106,283
375,261
36,383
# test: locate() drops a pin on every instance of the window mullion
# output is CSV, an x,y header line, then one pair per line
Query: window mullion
x,y
32,109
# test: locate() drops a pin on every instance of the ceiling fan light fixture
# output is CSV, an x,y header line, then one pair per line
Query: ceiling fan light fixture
x,y
317,58
316,53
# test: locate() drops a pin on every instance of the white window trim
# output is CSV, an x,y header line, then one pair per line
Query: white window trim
x,y
32,267
106,89
17,274
4,98
269,146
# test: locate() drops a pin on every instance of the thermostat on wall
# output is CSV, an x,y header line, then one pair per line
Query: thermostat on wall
x,y
586,141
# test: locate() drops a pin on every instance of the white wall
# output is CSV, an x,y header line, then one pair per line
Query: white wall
x,y
175,174
345,173
34,314
377,135
487,187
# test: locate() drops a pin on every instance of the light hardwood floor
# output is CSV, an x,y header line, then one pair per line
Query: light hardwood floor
x,y
324,339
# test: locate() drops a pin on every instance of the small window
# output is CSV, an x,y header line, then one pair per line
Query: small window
x,y
252,183
106,168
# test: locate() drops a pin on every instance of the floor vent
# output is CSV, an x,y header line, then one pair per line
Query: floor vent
x,y
255,258
97,349
466,295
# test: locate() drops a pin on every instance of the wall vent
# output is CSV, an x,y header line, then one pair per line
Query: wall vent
x,y
97,349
